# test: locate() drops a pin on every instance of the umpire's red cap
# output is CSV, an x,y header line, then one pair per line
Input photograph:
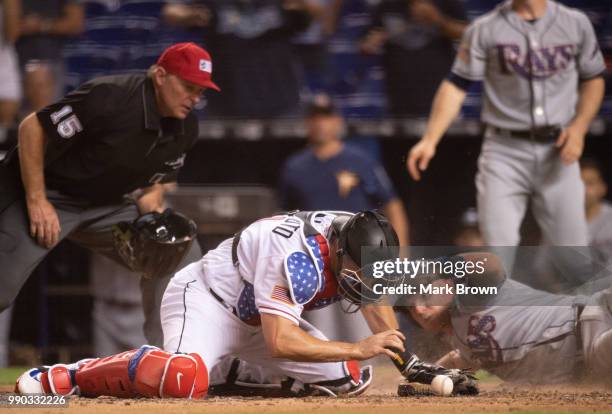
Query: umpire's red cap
x,y
190,62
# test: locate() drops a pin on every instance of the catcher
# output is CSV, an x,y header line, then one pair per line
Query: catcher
x,y
522,334
245,299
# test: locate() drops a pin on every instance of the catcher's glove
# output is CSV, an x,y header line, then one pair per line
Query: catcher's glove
x,y
464,381
155,243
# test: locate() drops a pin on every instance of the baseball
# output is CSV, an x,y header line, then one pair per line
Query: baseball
x,y
442,385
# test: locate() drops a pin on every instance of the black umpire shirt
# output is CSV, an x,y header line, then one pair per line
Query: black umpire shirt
x,y
106,139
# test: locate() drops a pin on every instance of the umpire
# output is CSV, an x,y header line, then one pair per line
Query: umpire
x,y
99,156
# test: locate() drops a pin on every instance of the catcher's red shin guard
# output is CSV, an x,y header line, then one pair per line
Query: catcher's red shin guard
x,y
147,372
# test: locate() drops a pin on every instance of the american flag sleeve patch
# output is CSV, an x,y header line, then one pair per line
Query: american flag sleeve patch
x,y
281,294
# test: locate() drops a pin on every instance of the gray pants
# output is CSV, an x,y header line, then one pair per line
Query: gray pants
x,y
87,226
511,173
514,172
5,331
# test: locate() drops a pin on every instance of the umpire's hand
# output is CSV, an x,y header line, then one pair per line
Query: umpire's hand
x,y
44,222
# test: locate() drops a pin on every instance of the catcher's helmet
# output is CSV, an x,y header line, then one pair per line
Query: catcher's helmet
x,y
155,243
364,229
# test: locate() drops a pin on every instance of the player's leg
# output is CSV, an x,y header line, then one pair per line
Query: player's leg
x,y
503,184
194,328
144,372
19,252
558,202
194,321
152,292
258,369
558,207
596,324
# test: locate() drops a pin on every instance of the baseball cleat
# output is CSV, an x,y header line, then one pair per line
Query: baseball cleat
x,y
57,379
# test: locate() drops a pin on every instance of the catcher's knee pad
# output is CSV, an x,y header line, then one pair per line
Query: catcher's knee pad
x,y
148,372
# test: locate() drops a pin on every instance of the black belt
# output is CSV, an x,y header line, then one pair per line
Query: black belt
x,y
222,302
545,134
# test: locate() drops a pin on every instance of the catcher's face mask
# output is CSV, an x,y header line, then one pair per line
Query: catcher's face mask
x,y
155,243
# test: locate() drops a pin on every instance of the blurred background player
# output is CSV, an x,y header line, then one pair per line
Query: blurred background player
x,y
10,98
254,58
10,82
311,46
417,40
537,112
598,212
45,25
333,175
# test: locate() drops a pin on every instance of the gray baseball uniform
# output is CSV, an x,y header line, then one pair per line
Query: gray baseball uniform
x,y
535,339
117,314
531,72
600,236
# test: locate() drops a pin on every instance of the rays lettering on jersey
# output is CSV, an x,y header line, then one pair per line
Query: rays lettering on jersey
x,y
480,340
545,61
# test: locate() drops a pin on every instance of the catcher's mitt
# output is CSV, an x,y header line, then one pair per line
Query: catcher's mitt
x,y
464,381
155,243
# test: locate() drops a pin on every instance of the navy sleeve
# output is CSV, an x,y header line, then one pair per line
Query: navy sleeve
x,y
459,81
377,184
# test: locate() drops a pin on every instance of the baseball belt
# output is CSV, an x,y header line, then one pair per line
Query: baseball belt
x,y
222,302
543,134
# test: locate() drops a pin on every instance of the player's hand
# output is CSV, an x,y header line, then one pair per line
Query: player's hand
x,y
378,344
426,12
373,42
419,157
31,24
571,142
44,222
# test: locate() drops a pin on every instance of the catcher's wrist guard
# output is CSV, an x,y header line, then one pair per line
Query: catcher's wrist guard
x,y
404,361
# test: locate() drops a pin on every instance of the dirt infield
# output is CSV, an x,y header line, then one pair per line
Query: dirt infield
x,y
380,398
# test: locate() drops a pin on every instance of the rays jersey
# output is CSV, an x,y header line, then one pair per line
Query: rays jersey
x,y
521,336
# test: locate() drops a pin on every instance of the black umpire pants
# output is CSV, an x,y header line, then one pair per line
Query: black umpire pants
x,y
89,227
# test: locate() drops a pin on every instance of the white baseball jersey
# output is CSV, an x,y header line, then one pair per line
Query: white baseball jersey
x,y
278,265
530,69
283,267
